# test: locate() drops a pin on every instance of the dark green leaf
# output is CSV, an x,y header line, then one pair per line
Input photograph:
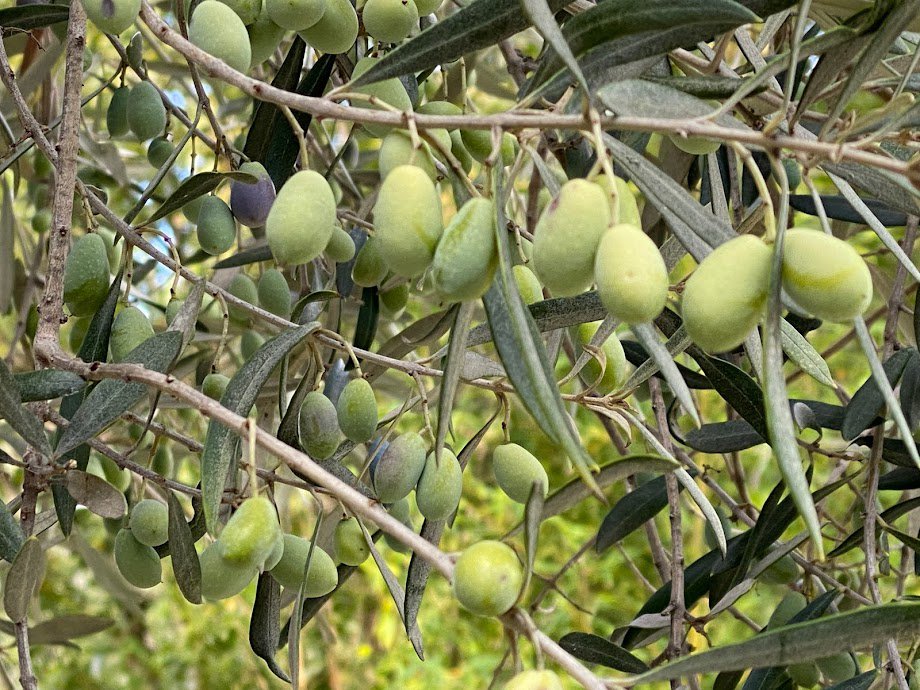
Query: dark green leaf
x,y
20,419
221,444
541,16
855,538
265,624
187,317
28,17
723,437
598,650
866,404
631,512
96,494
11,536
368,316
112,397
453,367
194,187
838,208
23,579
910,392
185,564
47,384
250,255
737,389
900,479
861,682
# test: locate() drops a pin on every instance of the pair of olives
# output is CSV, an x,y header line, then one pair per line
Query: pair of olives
x,y
135,557
322,423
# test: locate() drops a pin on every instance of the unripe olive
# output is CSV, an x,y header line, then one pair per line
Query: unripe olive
x,y
86,275
116,116
399,468
616,368
218,30
216,230
149,522
146,112
159,151
623,206
426,7
130,328
516,470
192,208
527,284
509,148
632,280
793,173
250,342
459,150
295,15
221,579
790,605
534,680
319,426
247,10
357,411
106,468
137,563
390,91
243,287
78,329
302,218
41,166
214,385
838,668
389,21
567,235
276,553
438,107
41,221
250,533
781,572
698,146
251,203
394,300
825,276
466,258
264,37
112,16
350,545
478,142
440,486
407,217
274,293
341,248
162,462
724,298
488,578
396,149
804,675
322,576
32,322
369,267
337,31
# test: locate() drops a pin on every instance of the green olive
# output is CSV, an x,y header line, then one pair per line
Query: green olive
x,y
488,578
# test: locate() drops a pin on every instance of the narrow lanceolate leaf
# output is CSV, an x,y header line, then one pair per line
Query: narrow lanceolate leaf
x,y
800,351
65,628
540,14
631,512
47,384
11,536
250,255
221,444
185,564
265,624
30,17
863,681
112,397
802,642
838,208
867,402
533,515
521,351
453,368
96,494
855,538
23,579
18,417
737,388
194,187
599,650
659,354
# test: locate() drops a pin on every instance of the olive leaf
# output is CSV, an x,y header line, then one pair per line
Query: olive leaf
x,y
598,650
96,494
29,17
265,624
453,369
18,417
47,384
185,564
22,580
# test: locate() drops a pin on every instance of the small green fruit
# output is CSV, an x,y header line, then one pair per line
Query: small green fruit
x,y
247,10
214,385
302,219
146,112
149,522
616,368
407,217
438,107
488,578
793,173
440,486
534,680
221,579
567,236
396,149
41,221
459,150
243,287
399,468
838,668
390,21
509,148
250,342
390,91
724,298
322,576
86,275
478,142
341,247
632,280
466,258
130,328
137,563
216,229
218,30
516,470
697,146
159,151
274,293
295,15
250,534
782,572
163,462
42,166
116,116
399,510
623,206
251,203
350,545
803,675
112,16
337,31
369,268
527,284
357,411
264,37
319,426
825,276
790,605
395,299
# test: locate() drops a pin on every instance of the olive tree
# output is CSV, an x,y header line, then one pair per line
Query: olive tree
x,y
656,256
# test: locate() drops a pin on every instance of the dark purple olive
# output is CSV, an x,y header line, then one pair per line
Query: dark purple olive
x,y
250,203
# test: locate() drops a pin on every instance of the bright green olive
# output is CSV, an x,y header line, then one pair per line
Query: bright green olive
x,y
163,462
440,486
395,299
697,146
130,328
116,116
341,248
623,206
396,149
274,293
389,21
804,675
322,576
838,668
137,563
632,280
357,411
790,605
350,545
218,30
149,522
466,258
216,230
616,368
264,37
41,221
488,578
302,219
242,287
214,385
516,471
528,284
319,426
112,16
337,31
295,15
250,342
247,10
221,579
250,534
369,268
390,91
146,112
399,468
86,275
